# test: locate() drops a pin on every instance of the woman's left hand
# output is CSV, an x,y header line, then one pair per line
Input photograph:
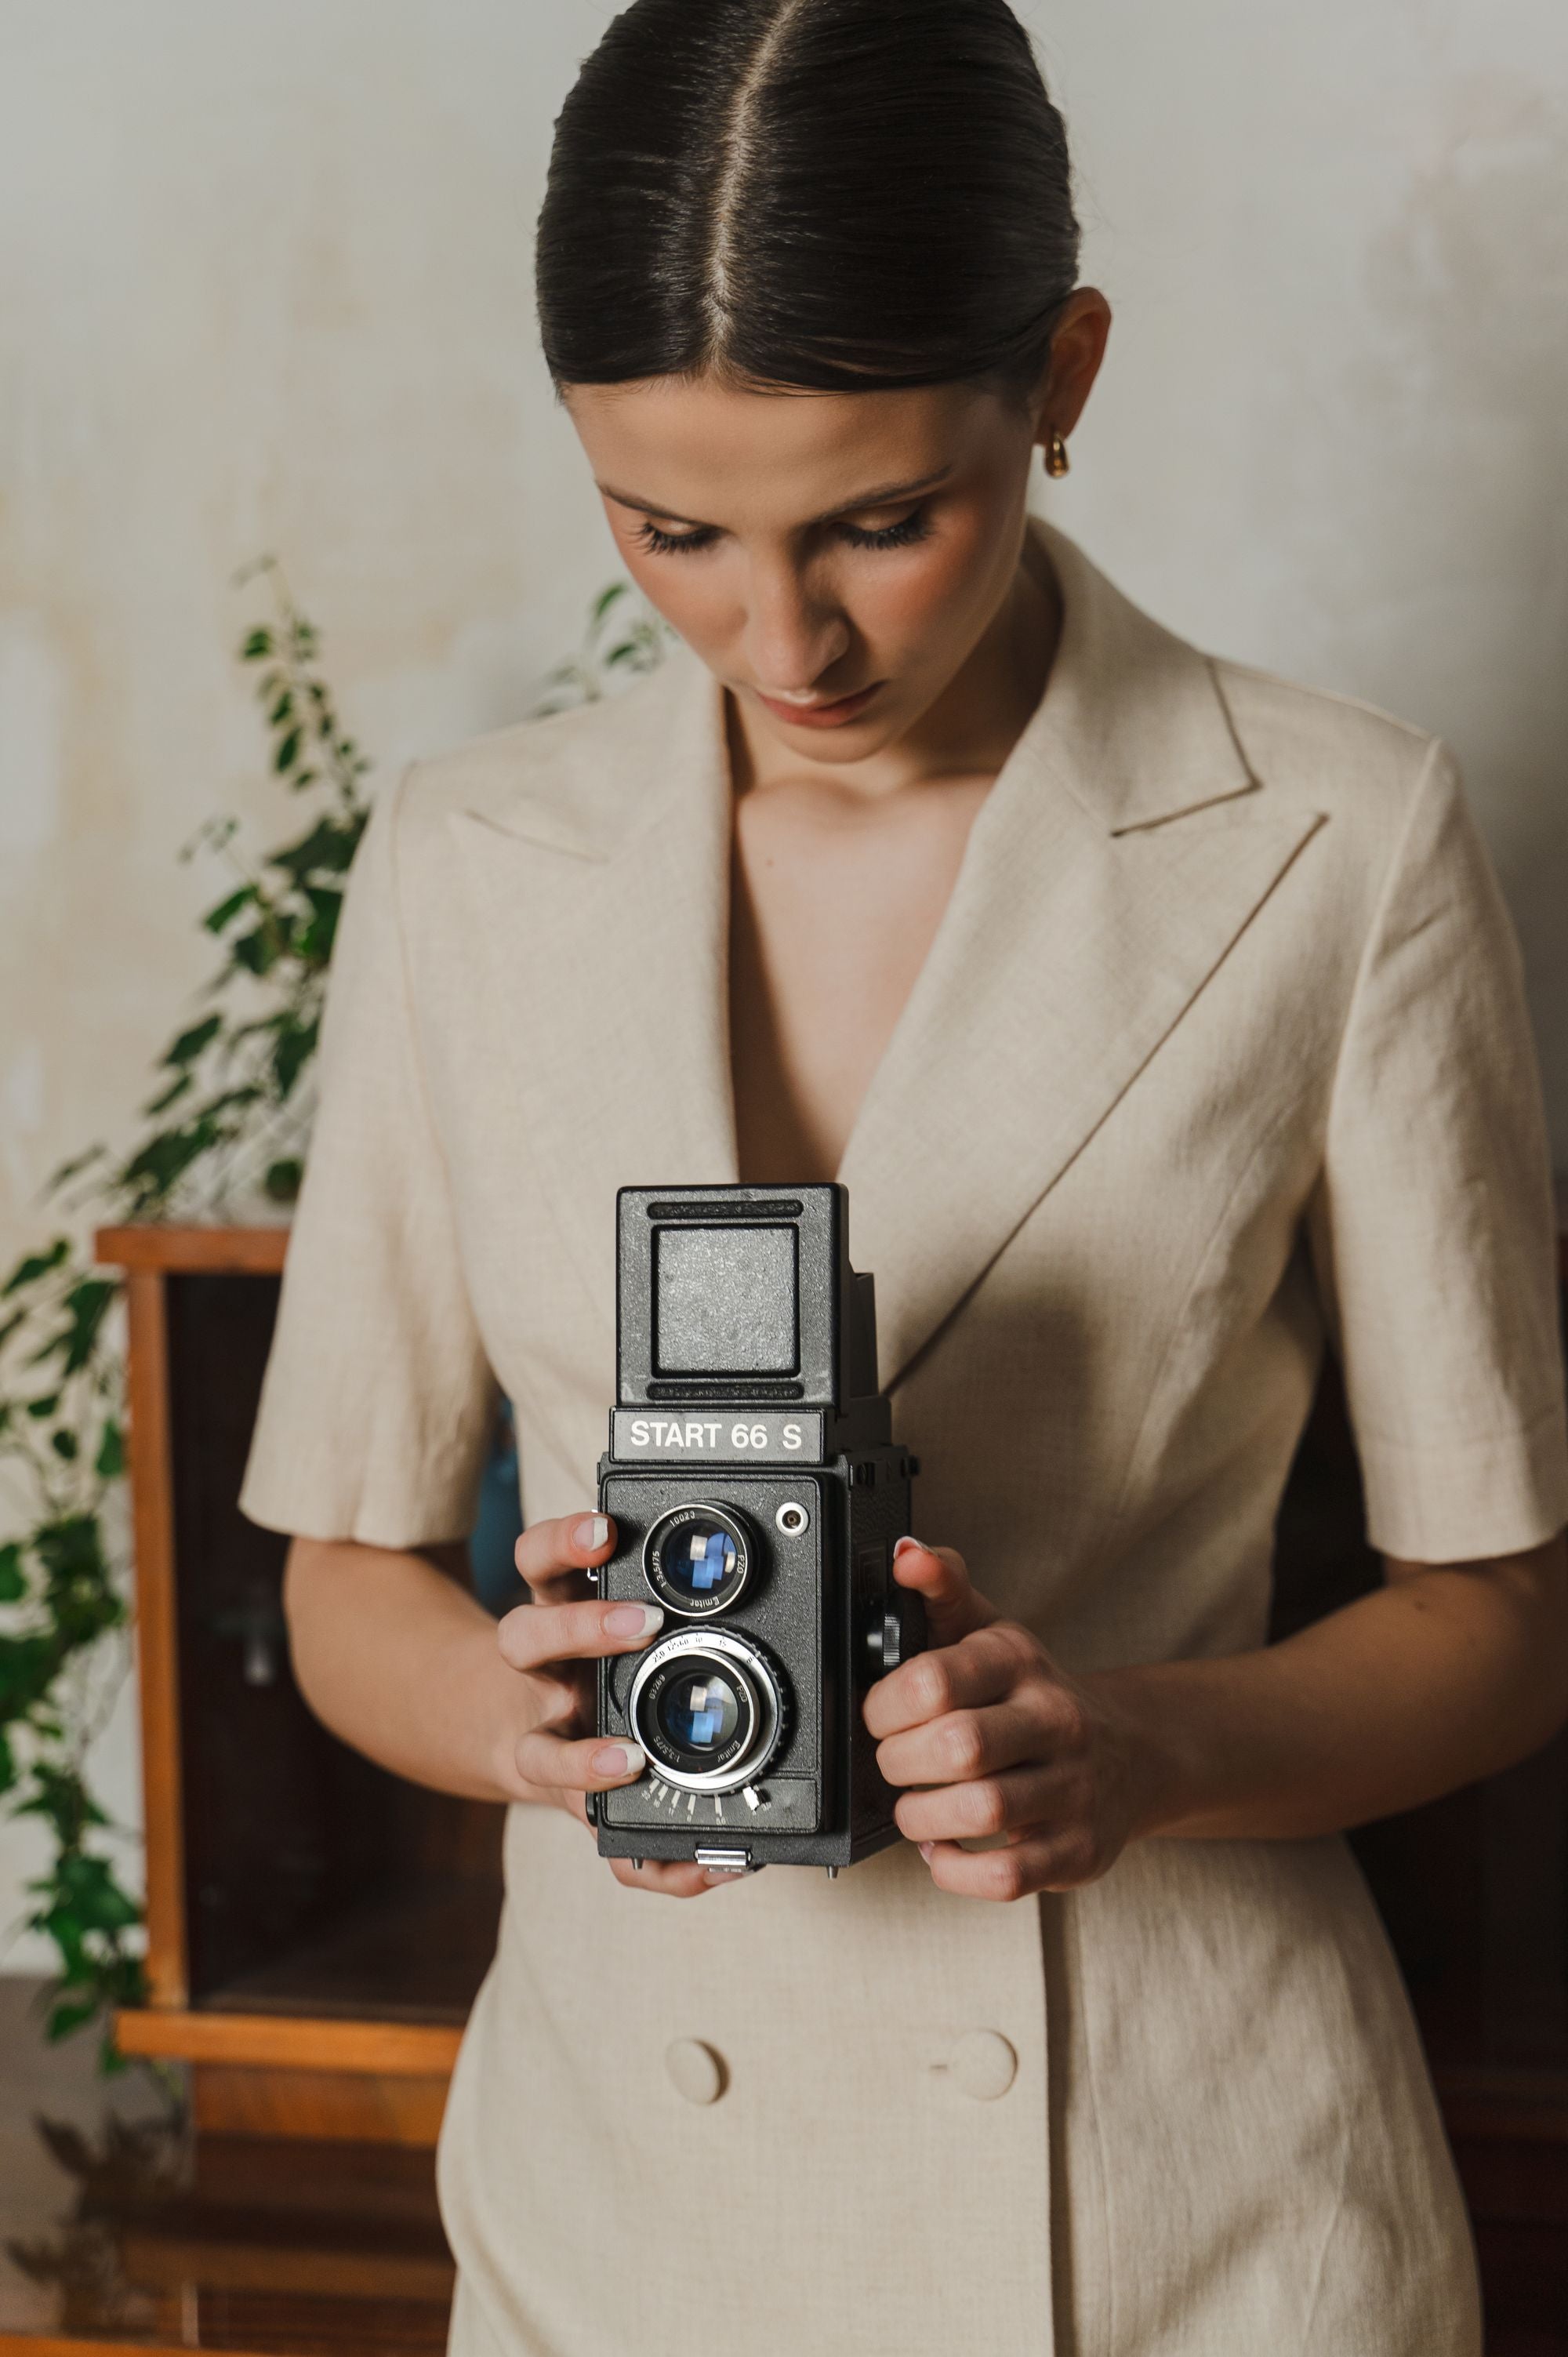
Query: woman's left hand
x,y
999,1742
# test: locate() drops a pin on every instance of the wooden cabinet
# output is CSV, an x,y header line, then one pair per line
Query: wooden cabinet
x,y
316,1926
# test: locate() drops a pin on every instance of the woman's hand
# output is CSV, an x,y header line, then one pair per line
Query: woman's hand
x,y
554,1643
996,1741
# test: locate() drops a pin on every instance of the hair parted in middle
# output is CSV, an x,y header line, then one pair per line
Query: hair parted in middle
x,y
807,195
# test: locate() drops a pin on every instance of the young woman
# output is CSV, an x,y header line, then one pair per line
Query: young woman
x,y
1162,1020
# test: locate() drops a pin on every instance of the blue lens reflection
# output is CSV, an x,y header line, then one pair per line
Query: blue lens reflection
x,y
699,1559
699,1710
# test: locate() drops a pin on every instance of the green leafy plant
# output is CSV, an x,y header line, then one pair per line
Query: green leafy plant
x,y
225,1130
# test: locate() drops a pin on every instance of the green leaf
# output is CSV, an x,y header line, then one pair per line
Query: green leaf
x,y
44,1406
29,1667
64,1444
257,951
36,1264
86,1306
329,848
287,753
296,1046
65,2016
282,1180
190,1044
259,643
607,598
74,1167
315,942
281,710
13,1579
171,1096
8,1763
92,1895
110,1461
224,914
18,1318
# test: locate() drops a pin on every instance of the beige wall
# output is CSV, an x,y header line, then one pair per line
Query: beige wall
x,y
265,283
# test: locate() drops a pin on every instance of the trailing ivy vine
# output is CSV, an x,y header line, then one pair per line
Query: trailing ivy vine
x,y
224,1131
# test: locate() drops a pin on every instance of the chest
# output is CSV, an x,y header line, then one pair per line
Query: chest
x,y
833,909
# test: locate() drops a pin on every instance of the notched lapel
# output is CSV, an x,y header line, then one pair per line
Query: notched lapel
x,y
1123,850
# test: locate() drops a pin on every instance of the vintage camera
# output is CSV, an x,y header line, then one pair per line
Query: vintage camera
x,y
757,1493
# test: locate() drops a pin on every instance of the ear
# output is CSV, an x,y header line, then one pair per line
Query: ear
x,y
1078,347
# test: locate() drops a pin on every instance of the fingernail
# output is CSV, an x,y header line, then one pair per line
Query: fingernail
x,y
617,1759
925,1849
592,1531
633,1619
899,1545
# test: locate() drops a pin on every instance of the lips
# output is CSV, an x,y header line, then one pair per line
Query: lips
x,y
821,715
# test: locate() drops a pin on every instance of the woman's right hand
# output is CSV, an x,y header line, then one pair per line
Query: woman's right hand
x,y
553,1644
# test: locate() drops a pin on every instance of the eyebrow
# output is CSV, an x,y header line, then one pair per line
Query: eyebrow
x,y
880,496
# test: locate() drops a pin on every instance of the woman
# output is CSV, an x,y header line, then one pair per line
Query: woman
x,y
1160,1018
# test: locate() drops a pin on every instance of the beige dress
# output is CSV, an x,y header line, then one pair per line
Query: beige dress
x,y
1220,1047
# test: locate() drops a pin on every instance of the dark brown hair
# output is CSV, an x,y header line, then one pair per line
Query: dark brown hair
x,y
815,195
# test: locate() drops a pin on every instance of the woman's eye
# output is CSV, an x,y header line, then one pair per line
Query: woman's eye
x,y
665,543
910,528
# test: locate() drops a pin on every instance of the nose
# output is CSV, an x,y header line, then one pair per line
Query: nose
x,y
793,635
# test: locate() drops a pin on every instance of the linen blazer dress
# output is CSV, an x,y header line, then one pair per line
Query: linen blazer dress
x,y
1218,1054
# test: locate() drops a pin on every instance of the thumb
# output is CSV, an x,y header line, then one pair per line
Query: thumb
x,y
954,1606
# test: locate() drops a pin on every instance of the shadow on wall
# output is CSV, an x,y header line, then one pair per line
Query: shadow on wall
x,y
1449,431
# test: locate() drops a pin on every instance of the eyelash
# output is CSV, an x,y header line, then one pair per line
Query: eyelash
x,y
903,534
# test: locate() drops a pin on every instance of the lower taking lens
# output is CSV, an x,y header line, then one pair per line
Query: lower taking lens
x,y
699,1711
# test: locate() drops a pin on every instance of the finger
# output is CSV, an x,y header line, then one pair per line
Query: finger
x,y
1032,1797
940,1575
1045,1860
562,1547
982,1667
671,1878
591,1764
535,1634
962,1745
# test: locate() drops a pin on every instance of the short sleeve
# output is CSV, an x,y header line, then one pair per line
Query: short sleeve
x,y
1432,1228
377,1403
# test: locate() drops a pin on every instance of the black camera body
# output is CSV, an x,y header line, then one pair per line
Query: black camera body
x,y
758,1493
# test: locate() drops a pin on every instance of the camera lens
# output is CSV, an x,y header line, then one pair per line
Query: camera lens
x,y
697,1559
708,1711
699,1710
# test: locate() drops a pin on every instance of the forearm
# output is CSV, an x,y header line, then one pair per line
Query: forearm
x,y
1445,1675
403,1663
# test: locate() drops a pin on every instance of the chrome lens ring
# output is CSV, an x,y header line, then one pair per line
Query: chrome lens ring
x,y
759,1717
697,1559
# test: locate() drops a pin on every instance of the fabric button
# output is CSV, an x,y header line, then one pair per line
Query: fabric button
x,y
695,2070
984,2064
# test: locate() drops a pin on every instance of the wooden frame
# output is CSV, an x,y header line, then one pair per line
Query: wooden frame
x,y
255,2072
147,1254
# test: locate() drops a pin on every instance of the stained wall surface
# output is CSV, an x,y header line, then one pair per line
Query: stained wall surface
x,y
264,287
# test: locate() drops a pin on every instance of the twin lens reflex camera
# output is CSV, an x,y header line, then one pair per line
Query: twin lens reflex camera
x,y
757,1492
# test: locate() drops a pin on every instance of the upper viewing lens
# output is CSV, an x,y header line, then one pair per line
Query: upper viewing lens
x,y
696,1559
699,1558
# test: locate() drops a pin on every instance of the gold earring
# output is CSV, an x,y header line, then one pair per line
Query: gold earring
x,y
1057,461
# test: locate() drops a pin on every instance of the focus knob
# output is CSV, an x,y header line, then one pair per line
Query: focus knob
x,y
898,1631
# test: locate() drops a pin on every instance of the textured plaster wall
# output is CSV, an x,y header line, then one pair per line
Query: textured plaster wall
x,y
264,286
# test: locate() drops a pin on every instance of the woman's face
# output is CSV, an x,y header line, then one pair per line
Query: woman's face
x,y
811,548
